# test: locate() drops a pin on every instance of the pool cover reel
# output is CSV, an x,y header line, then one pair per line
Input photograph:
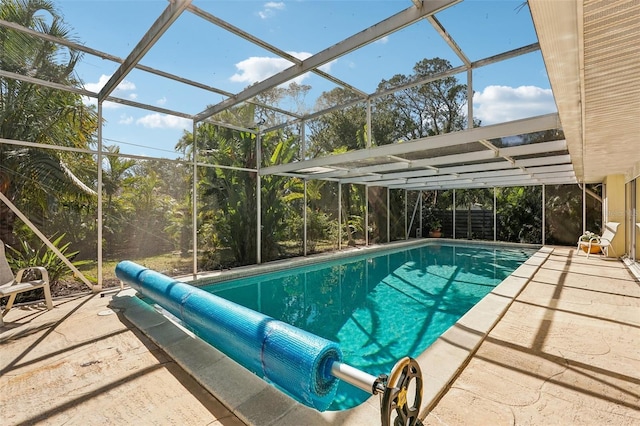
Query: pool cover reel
x,y
296,361
301,364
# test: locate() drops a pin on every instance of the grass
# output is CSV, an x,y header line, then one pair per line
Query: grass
x,y
171,264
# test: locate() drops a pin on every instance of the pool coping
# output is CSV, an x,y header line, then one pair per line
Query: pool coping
x,y
254,401
210,278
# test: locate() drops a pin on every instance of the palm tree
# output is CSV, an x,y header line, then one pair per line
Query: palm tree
x,y
114,174
38,114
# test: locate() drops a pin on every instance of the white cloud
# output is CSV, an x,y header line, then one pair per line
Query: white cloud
x,y
162,101
498,104
125,119
163,121
258,68
383,40
105,104
95,87
270,9
124,86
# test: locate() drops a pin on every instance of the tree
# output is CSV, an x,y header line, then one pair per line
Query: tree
x,y
33,113
227,203
340,130
336,132
115,171
423,110
520,214
426,109
148,209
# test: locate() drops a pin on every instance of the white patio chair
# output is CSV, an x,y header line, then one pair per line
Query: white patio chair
x,y
10,286
603,241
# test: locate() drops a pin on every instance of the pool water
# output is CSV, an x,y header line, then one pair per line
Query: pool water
x,y
380,307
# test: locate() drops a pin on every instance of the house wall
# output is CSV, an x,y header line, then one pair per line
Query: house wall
x,y
614,210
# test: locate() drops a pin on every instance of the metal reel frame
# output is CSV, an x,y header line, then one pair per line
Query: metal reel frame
x,y
395,395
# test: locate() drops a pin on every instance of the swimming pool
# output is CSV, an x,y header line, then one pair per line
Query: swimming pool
x,y
380,306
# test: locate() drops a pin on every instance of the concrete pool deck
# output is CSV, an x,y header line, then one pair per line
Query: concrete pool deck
x,y
564,352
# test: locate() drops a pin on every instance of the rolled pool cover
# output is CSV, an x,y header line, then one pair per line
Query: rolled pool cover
x,y
295,360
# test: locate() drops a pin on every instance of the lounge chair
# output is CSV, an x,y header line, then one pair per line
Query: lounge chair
x,y
11,286
602,241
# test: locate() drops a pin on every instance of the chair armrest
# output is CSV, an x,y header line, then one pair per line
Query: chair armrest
x,y
591,240
44,274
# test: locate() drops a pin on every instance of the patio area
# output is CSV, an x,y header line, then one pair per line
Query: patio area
x,y
565,352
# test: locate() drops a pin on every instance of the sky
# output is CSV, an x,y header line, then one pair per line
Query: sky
x,y
200,51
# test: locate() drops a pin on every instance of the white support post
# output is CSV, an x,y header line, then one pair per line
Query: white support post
x,y
584,208
366,215
454,214
406,211
304,220
339,216
100,221
194,200
544,213
388,216
258,199
495,215
470,98
420,218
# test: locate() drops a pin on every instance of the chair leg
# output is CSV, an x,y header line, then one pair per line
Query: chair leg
x,y
9,304
47,297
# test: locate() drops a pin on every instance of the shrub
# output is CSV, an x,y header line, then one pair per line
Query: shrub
x,y
27,257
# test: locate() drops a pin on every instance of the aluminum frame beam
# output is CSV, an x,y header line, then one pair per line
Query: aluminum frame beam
x,y
259,42
369,35
162,24
517,127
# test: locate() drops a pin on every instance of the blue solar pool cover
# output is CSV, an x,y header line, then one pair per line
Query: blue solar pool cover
x,y
295,360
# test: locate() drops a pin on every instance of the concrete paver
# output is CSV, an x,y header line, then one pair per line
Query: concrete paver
x,y
567,352
81,364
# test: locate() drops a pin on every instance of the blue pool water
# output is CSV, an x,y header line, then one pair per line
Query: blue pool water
x,y
382,306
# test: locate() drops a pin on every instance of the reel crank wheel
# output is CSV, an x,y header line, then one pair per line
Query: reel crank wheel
x,y
395,396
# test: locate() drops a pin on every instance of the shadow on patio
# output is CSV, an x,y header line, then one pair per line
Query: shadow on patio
x,y
564,353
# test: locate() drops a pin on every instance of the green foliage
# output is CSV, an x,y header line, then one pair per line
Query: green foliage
x,y
148,203
27,256
397,212
564,226
340,130
353,213
519,214
320,228
434,223
432,108
33,113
